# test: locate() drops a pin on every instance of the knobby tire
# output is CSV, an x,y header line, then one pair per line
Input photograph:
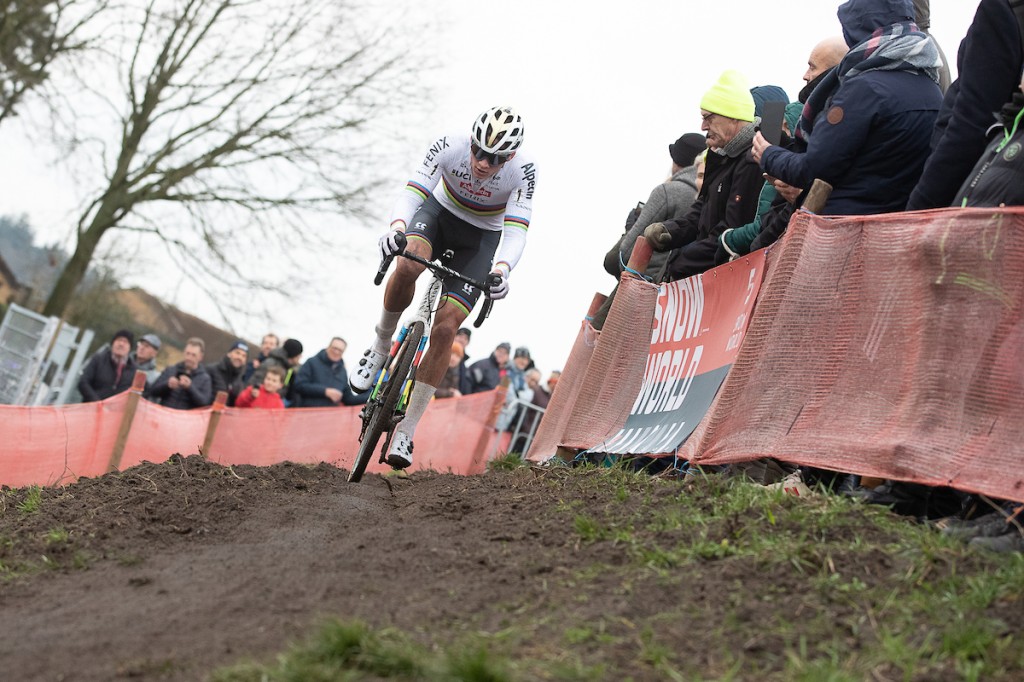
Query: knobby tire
x,y
380,422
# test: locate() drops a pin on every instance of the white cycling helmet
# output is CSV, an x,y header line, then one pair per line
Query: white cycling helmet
x,y
499,130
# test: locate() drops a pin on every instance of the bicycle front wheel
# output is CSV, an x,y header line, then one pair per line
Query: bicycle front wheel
x,y
382,419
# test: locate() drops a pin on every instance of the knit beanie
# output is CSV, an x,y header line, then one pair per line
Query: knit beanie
x,y
730,97
684,150
767,93
123,334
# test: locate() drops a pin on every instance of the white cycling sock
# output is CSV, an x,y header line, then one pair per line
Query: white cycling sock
x,y
418,401
385,330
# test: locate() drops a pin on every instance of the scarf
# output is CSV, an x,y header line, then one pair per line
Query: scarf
x,y
741,143
897,47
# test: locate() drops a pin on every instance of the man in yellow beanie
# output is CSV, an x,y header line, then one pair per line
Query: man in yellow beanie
x,y
732,181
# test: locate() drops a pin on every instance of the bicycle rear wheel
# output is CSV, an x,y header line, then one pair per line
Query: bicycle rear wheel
x,y
391,391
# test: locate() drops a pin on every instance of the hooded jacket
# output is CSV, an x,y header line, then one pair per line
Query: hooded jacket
x,y
317,375
989,65
668,201
871,138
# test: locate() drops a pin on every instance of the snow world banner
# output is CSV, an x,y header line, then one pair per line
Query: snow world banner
x,y
698,326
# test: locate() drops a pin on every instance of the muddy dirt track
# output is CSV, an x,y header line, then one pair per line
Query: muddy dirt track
x,y
167,571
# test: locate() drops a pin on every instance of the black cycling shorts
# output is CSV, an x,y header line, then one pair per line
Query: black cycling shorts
x,y
473,249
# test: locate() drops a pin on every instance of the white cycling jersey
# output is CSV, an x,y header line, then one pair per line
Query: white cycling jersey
x,y
502,202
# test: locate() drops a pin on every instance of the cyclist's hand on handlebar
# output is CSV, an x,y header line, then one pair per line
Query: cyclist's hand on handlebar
x,y
658,236
498,279
391,244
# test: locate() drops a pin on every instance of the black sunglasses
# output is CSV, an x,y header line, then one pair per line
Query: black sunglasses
x,y
493,159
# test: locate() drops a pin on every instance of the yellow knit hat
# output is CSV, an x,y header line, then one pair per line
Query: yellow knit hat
x,y
730,97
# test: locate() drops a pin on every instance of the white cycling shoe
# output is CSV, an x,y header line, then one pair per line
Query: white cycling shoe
x,y
363,374
400,454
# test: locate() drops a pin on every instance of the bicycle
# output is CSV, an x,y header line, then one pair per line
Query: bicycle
x,y
389,397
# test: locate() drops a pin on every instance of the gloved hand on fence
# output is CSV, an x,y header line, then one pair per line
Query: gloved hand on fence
x,y
499,289
725,252
658,236
389,244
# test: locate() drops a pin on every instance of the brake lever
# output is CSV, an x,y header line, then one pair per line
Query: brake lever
x,y
485,309
386,262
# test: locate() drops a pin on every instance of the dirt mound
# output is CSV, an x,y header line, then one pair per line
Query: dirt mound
x,y
166,571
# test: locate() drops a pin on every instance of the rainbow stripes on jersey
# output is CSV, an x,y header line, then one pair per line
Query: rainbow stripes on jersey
x,y
418,189
476,208
516,221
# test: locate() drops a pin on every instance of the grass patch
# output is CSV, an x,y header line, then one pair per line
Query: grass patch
x,y
506,462
33,500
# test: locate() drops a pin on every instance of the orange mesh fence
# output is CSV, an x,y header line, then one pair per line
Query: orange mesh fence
x,y
556,418
616,367
889,346
56,445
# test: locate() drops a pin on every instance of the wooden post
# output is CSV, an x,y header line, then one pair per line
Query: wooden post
x,y
640,257
134,395
219,403
817,197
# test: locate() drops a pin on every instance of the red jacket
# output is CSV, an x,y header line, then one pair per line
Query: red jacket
x,y
266,399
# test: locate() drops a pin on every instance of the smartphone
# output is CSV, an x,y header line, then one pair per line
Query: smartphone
x,y
771,121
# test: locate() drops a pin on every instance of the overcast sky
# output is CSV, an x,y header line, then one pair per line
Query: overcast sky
x,y
602,93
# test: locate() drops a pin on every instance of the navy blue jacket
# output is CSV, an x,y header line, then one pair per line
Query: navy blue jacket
x,y
317,375
989,65
871,140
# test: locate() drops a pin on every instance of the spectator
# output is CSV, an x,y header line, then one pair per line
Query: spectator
x,y
521,361
988,65
732,181
553,380
923,19
269,343
735,241
450,383
227,375
867,124
670,200
110,370
774,208
539,399
145,354
486,374
287,356
998,177
266,395
322,381
824,56
186,385
465,382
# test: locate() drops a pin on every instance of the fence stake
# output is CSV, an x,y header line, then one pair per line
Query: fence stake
x,y
134,395
219,402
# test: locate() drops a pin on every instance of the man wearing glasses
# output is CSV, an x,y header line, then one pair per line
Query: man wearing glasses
x,y
472,194
732,181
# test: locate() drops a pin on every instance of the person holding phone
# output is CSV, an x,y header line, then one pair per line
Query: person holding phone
x,y
868,124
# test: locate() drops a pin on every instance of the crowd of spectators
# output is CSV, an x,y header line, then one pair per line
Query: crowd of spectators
x,y
880,122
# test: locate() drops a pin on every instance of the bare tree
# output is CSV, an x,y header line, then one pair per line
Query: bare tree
x,y
234,120
33,34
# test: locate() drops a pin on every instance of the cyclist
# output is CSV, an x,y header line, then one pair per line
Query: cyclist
x,y
472,194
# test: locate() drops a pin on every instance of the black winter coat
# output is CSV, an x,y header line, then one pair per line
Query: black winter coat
x,y
989,65
225,377
99,379
728,198
998,176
